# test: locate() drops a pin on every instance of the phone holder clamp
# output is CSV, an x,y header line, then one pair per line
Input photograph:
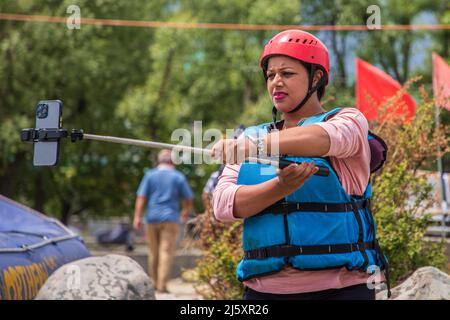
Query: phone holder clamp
x,y
47,135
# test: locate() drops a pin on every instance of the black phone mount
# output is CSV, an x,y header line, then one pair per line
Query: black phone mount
x,y
47,135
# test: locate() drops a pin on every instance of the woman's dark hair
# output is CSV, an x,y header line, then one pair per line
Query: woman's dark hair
x,y
320,91
321,87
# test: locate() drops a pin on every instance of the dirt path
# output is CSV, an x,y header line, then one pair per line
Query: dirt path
x,y
179,290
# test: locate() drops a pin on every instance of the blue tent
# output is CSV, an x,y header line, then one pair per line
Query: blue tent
x,y
32,247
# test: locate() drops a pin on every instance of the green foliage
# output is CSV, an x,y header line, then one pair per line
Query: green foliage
x,y
207,75
221,244
400,231
398,52
89,70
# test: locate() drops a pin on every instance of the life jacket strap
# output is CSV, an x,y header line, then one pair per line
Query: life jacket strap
x,y
288,207
293,250
385,267
361,237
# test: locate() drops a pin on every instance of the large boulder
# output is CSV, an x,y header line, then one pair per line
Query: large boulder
x,y
427,283
111,277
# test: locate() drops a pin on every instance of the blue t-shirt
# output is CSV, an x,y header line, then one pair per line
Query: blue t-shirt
x,y
164,188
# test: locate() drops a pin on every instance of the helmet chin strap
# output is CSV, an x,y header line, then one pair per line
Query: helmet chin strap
x,y
309,93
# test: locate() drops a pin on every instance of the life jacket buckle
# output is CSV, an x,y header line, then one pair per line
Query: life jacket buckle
x,y
353,206
329,248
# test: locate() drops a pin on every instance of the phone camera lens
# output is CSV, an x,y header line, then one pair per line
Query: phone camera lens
x,y
42,111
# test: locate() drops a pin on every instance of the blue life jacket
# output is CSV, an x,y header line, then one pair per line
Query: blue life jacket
x,y
319,226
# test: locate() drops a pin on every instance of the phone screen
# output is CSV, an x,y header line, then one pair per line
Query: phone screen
x,y
48,116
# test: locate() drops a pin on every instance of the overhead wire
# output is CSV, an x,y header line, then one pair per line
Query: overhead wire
x,y
223,26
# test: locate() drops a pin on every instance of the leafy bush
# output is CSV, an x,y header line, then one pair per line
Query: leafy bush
x,y
221,244
401,192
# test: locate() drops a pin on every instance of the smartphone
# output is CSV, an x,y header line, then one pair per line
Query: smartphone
x,y
48,116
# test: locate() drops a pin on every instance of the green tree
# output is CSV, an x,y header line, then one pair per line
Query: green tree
x,y
89,70
207,75
396,56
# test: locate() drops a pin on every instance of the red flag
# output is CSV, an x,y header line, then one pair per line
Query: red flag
x,y
441,81
374,87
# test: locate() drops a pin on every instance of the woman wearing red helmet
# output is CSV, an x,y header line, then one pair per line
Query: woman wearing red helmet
x,y
305,236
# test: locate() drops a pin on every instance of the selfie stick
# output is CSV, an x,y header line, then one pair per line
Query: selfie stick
x,y
43,135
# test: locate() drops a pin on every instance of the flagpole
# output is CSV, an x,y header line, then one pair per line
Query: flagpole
x,y
444,200
441,73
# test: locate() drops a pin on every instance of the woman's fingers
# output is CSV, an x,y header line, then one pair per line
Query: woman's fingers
x,y
293,170
225,151
296,174
229,151
217,150
309,170
286,172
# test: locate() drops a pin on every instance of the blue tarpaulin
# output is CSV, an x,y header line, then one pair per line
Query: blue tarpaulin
x,y
32,247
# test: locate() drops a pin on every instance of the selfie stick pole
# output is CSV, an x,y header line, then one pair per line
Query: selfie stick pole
x,y
42,135
279,163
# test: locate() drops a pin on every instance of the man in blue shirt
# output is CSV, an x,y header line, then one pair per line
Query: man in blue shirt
x,y
163,188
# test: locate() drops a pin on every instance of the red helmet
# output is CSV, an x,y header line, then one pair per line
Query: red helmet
x,y
299,45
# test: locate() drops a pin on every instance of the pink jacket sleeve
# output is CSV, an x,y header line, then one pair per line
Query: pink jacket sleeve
x,y
349,149
347,130
224,193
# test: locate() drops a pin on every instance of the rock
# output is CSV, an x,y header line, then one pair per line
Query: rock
x,y
427,283
110,277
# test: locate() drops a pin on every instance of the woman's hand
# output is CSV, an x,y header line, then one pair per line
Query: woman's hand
x,y
232,151
294,176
